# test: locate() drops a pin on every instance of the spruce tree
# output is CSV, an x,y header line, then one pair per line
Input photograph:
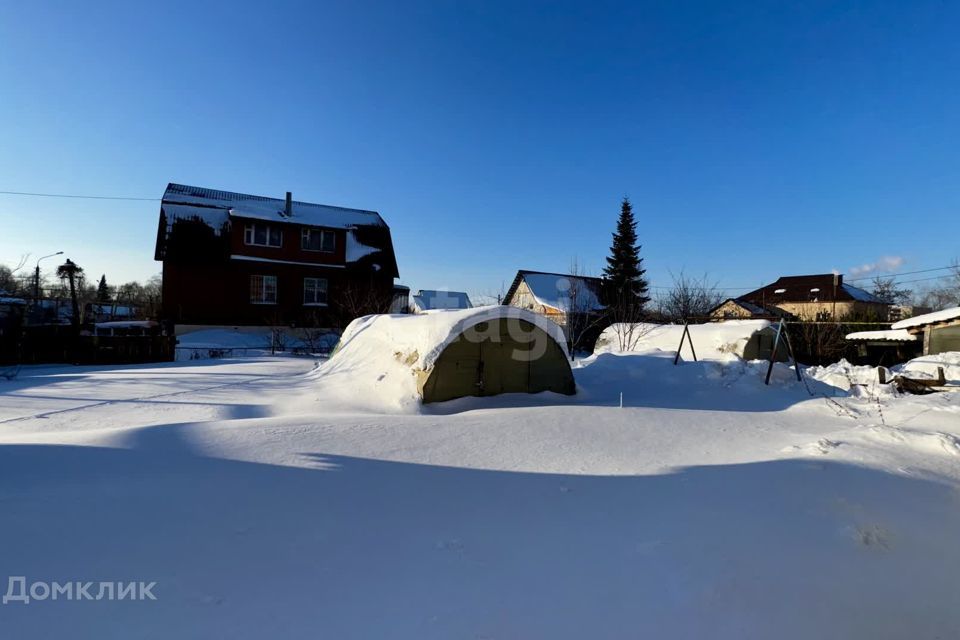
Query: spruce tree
x,y
103,291
624,284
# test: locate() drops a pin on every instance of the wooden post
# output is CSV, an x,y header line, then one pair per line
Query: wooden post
x,y
793,356
773,352
685,334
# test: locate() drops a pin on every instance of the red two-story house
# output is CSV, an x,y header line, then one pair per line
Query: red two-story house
x,y
233,259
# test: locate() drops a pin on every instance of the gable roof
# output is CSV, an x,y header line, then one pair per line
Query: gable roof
x,y
886,335
809,288
928,319
242,205
754,309
367,233
427,299
553,289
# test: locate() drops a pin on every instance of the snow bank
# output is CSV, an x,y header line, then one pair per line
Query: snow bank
x,y
716,340
843,375
928,318
379,358
926,366
847,376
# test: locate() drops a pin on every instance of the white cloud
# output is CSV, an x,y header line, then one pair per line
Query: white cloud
x,y
886,264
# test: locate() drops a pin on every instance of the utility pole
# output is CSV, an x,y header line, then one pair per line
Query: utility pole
x,y
36,279
836,278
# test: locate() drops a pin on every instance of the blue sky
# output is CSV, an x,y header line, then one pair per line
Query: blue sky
x,y
754,139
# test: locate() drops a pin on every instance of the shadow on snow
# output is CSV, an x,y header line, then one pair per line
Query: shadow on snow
x,y
347,547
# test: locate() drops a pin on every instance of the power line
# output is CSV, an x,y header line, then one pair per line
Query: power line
x,y
66,195
920,279
895,275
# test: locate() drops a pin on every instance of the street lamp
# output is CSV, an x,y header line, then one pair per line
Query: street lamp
x,y
36,276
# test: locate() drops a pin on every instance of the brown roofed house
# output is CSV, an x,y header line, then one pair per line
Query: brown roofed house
x,y
818,297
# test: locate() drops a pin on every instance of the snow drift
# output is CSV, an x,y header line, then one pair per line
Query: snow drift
x,y
714,341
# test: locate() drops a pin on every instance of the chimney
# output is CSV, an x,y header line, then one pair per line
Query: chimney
x,y
288,210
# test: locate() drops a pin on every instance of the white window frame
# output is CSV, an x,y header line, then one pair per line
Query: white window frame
x,y
315,290
305,234
259,292
250,235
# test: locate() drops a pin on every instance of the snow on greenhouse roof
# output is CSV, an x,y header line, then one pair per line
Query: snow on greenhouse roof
x,y
380,357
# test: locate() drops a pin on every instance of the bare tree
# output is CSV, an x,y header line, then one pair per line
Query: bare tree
x,y
152,296
886,289
585,317
490,296
690,297
360,298
10,281
945,292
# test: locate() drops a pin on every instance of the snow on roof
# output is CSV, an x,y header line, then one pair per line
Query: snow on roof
x,y
11,300
212,205
125,324
380,357
859,294
928,318
824,286
112,309
892,335
428,334
562,292
215,218
715,340
427,299
356,249
754,309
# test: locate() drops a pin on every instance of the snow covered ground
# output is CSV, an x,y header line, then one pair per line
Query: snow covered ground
x,y
263,503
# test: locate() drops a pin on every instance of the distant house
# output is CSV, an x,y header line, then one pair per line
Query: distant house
x,y
558,296
940,330
817,297
429,299
401,299
903,311
109,312
234,259
736,309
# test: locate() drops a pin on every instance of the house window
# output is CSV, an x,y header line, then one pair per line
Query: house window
x,y
263,289
318,240
260,234
315,291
